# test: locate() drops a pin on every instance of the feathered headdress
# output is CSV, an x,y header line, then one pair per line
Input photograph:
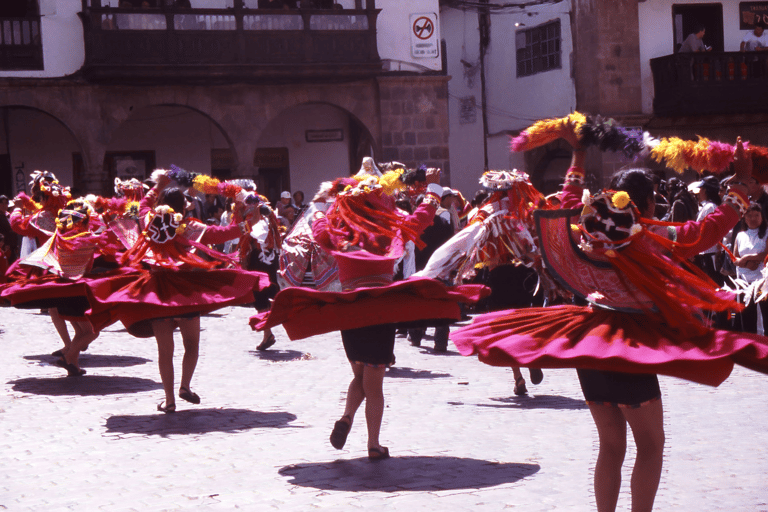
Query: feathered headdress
x,y
364,211
608,135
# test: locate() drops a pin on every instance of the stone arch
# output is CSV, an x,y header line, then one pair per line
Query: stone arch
x,y
157,135
21,128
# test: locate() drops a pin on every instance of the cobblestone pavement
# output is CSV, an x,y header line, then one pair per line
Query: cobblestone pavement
x,y
460,439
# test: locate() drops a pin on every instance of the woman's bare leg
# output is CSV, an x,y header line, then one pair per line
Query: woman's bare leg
x,y
61,327
84,335
373,384
612,431
163,330
355,392
647,424
190,334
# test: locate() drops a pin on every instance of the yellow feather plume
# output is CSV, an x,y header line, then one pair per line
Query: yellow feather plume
x,y
391,183
206,184
672,150
547,130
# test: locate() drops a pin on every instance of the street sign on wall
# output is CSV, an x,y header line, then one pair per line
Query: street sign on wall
x,y
424,41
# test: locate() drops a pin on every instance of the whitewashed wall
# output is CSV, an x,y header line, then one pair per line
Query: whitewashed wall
x,y
513,103
63,46
657,36
394,34
310,162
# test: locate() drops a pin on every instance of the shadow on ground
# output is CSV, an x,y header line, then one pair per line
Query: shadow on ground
x,y
399,372
87,385
407,474
197,421
95,360
281,355
536,402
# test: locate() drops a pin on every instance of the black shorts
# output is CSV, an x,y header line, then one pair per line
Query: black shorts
x,y
619,389
372,346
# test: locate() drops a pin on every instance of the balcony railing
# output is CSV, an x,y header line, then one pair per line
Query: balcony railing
x,y
21,47
205,45
710,83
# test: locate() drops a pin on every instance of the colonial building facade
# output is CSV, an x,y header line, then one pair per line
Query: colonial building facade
x,y
289,97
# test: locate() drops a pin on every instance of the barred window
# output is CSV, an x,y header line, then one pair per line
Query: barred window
x,y
538,49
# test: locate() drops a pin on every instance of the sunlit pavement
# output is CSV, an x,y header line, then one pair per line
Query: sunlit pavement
x,y
459,438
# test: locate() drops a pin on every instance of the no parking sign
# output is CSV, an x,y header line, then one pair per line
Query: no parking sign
x,y
424,37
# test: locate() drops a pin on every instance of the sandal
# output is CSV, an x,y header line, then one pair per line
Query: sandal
x,y
264,345
167,409
189,396
58,353
520,387
536,375
340,432
72,370
380,453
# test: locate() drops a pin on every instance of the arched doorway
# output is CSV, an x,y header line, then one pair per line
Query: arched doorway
x,y
160,135
306,145
32,139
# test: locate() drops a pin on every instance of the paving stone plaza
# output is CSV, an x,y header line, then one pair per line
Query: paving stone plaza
x,y
460,439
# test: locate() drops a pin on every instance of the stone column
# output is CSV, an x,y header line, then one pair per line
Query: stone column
x,y
606,67
414,121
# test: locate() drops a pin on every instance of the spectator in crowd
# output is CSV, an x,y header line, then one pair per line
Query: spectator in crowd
x,y
757,194
750,251
11,238
757,40
449,209
683,205
214,207
694,42
4,258
298,201
287,218
433,236
194,207
285,201
662,203
707,192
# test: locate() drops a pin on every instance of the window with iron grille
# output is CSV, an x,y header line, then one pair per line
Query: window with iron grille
x,y
21,46
538,49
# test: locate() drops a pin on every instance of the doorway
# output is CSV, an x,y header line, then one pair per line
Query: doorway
x,y
685,18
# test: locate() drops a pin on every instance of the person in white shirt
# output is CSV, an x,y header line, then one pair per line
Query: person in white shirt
x,y
755,41
750,252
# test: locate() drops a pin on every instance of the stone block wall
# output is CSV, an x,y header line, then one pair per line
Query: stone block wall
x,y
414,121
606,36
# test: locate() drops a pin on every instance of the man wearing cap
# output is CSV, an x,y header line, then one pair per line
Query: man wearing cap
x,y
450,201
285,201
11,239
441,230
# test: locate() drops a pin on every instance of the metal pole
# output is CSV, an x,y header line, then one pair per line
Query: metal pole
x,y
484,23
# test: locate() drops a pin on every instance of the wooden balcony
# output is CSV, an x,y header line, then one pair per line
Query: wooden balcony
x,y
172,45
710,83
21,46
